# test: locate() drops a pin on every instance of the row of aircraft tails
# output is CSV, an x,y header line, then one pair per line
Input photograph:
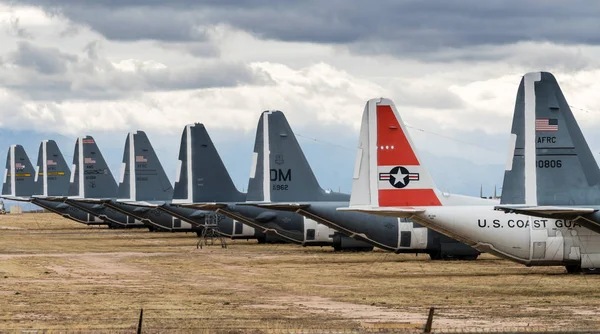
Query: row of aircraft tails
x,y
547,215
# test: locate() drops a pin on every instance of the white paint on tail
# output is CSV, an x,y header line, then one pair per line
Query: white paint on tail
x,y
81,168
530,155
44,167
253,167
188,154
73,170
266,160
512,144
132,195
13,189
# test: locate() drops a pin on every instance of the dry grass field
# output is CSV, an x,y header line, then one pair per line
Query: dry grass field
x,y
59,275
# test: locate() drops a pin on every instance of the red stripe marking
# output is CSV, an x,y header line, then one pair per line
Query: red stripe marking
x,y
408,197
389,133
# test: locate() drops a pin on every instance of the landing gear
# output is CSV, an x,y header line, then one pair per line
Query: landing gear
x,y
576,269
438,255
573,269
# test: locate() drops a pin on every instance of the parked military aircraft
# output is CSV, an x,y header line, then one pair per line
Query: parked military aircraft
x,y
202,177
280,172
551,172
49,179
91,178
144,185
399,235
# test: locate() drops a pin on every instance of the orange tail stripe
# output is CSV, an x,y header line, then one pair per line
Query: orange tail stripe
x,y
408,197
393,149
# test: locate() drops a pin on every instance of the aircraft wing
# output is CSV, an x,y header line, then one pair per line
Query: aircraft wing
x,y
565,212
204,206
292,207
400,212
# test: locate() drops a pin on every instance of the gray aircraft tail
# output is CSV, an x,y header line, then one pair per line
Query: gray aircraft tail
x,y
19,176
53,173
91,177
142,176
551,163
280,171
202,176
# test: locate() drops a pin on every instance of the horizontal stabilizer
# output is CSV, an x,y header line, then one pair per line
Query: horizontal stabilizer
x,y
292,207
400,212
153,204
51,198
16,198
547,211
204,206
90,200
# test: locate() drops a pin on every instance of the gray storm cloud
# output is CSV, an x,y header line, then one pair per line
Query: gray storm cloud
x,y
387,25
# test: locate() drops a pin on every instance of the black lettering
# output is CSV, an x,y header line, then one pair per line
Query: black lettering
x,y
549,164
279,175
511,223
496,223
287,176
547,140
558,223
481,223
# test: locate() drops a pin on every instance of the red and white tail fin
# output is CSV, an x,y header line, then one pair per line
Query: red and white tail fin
x,y
388,171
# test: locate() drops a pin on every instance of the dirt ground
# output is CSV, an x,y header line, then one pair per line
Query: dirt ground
x,y
59,275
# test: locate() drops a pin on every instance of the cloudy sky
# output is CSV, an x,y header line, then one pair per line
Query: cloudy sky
x,y
106,67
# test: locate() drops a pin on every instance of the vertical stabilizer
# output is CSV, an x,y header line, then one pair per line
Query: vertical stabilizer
x,y
388,171
53,173
19,176
143,177
91,177
549,161
201,174
280,171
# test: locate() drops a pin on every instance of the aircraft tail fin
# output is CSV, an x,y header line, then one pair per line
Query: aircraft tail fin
x,y
53,172
19,176
142,175
280,171
201,175
388,171
91,177
549,162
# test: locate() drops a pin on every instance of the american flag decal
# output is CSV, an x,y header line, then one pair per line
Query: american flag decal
x,y
89,161
87,141
19,165
546,124
51,163
140,158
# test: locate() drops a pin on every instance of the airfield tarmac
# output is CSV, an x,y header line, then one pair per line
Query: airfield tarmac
x,y
60,275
